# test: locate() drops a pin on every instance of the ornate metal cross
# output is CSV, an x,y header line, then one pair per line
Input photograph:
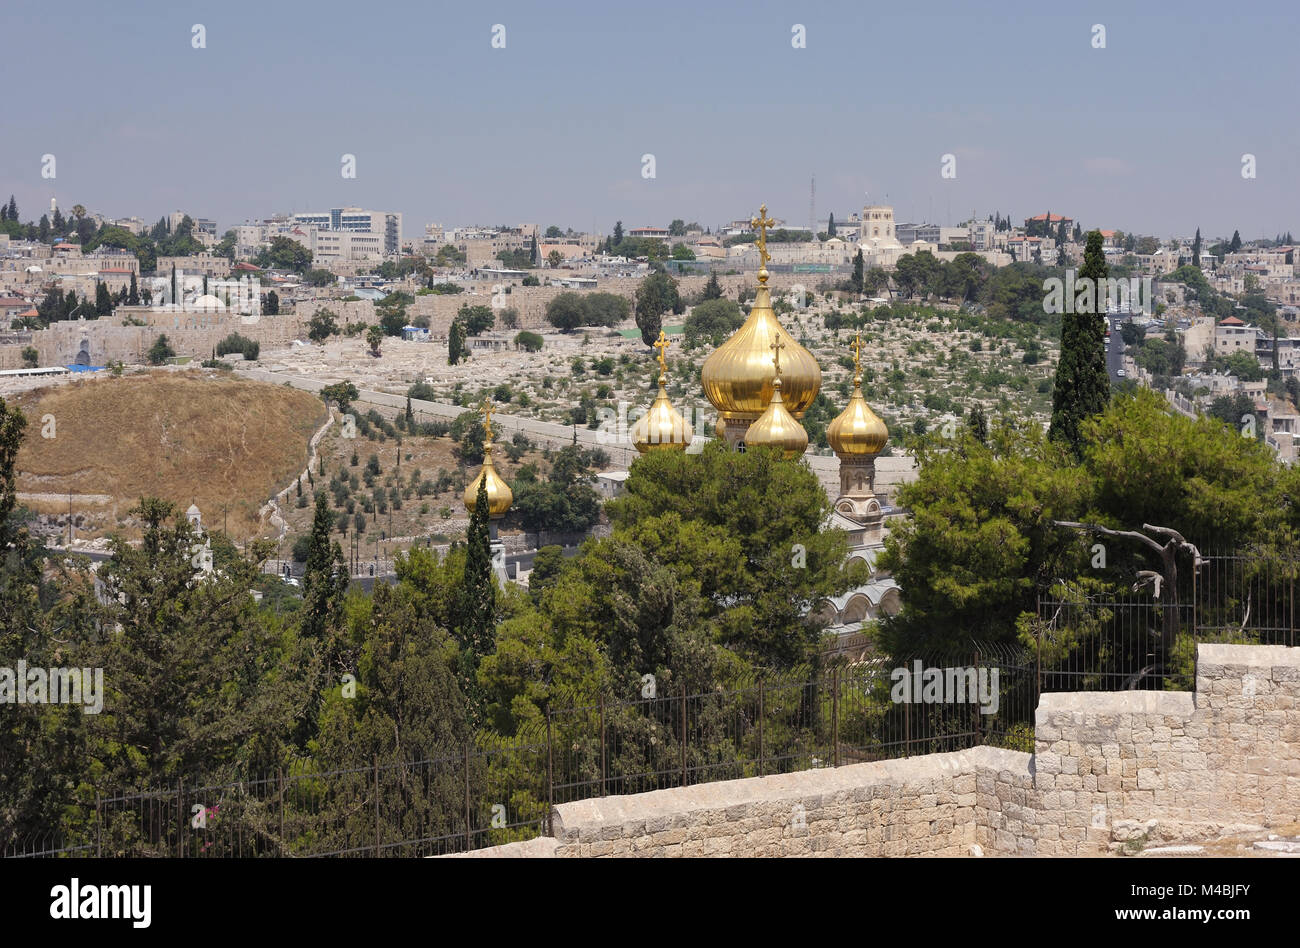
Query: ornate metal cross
x,y
761,223
662,344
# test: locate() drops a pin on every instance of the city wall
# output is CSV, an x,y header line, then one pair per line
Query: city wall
x,y
110,339
1111,771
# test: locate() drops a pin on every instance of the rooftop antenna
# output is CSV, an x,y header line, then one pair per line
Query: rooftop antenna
x,y
812,208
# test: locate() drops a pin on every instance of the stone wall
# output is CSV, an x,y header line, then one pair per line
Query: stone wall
x,y
105,340
1112,770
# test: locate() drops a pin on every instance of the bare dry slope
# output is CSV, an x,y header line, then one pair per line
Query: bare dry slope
x,y
189,437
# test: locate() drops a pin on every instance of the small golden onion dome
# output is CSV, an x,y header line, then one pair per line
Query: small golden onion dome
x,y
857,431
661,428
777,428
737,376
499,494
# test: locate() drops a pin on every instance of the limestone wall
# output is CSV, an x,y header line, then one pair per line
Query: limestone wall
x,y
1111,770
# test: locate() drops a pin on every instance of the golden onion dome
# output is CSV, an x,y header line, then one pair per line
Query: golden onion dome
x,y
499,495
737,376
661,428
777,427
857,431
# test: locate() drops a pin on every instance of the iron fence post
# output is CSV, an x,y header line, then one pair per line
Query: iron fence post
x,y
835,716
376,764
602,744
1038,669
99,827
469,840
180,816
976,705
907,728
683,733
761,767
550,778
280,783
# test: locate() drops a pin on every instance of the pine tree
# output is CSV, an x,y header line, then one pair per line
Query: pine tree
x,y
1082,385
13,208
712,289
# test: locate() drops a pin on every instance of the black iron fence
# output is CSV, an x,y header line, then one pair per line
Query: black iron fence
x,y
1146,640
503,789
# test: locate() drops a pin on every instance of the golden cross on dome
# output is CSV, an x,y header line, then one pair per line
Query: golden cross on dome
x,y
777,346
487,419
761,223
662,344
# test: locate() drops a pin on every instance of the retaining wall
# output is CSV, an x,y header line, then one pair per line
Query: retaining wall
x,y
1110,770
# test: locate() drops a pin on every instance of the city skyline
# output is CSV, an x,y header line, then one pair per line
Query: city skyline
x,y
441,129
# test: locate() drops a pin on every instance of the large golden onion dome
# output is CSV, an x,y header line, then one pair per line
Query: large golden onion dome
x,y
661,428
857,431
499,495
776,427
737,376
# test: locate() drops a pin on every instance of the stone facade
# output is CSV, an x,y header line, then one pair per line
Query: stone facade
x,y
1112,771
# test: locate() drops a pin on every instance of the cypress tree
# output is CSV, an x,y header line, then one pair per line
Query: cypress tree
x,y
830,226
1236,242
475,625
1196,250
1082,385
133,295
857,271
323,579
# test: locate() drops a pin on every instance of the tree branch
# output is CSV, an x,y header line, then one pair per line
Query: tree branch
x,y
1097,528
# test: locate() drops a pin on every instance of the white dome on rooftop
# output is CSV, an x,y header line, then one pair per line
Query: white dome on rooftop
x,y
207,302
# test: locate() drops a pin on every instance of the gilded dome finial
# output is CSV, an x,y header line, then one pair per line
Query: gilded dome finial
x,y
857,357
761,223
662,344
487,410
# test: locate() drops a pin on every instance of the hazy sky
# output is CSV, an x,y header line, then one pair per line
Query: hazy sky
x,y
1145,135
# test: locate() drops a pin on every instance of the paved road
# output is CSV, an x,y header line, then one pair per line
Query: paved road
x,y
1115,354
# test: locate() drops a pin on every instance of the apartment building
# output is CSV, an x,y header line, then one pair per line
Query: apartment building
x,y
387,224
